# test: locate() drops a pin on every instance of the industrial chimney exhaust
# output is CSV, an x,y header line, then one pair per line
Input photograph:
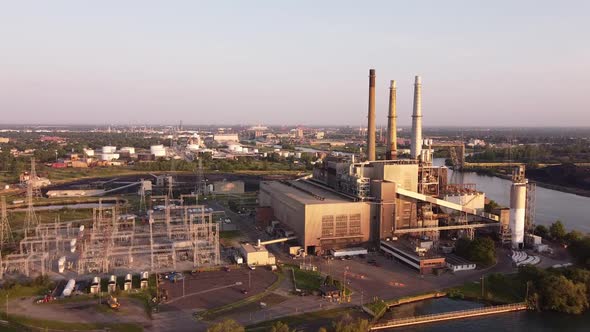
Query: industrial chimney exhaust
x,y
392,123
416,144
371,126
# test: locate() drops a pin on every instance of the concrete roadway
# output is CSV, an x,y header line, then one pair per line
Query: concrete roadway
x,y
393,279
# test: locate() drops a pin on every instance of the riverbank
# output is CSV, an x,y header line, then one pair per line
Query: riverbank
x,y
565,189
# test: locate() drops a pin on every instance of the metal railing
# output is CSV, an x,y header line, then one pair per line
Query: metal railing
x,y
448,315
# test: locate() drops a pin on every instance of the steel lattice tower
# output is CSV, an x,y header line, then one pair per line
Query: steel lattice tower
x,y
5,230
31,220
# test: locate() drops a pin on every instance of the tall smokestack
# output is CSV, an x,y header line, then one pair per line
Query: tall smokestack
x,y
371,126
416,146
392,123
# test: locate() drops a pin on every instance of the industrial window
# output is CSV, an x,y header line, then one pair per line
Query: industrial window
x,y
341,225
354,224
327,226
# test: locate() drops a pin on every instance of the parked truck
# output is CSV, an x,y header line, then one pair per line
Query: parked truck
x,y
348,252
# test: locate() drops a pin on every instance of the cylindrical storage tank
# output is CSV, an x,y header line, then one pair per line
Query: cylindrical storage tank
x,y
96,280
517,214
109,149
158,150
81,228
112,285
128,149
143,283
69,288
127,284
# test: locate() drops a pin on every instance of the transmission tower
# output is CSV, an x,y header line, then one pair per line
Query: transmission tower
x,y
6,238
31,220
142,206
200,179
171,180
34,180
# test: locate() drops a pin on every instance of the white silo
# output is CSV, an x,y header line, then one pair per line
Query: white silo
x,y
108,149
128,149
518,194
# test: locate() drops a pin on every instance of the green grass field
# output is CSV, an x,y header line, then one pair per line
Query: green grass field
x,y
307,280
503,289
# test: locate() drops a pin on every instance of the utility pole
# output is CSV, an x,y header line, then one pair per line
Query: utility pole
x,y
183,287
483,278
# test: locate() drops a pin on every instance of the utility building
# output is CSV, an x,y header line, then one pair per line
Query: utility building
x,y
321,219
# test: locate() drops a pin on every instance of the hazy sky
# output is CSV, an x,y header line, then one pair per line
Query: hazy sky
x,y
521,63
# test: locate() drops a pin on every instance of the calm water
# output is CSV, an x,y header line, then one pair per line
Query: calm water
x,y
518,321
572,210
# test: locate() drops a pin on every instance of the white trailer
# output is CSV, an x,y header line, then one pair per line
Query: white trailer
x,y
349,252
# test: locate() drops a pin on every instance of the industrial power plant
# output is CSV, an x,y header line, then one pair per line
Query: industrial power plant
x,y
404,207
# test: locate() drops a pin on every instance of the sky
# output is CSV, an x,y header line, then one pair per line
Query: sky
x,y
482,63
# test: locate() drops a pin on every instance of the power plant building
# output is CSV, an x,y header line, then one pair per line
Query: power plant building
x,y
377,201
320,218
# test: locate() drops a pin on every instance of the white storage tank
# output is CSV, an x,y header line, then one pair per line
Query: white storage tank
x,y
112,285
128,149
158,150
109,156
143,280
127,285
69,288
109,149
95,285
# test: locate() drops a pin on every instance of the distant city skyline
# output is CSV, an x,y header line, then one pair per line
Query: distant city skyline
x,y
498,64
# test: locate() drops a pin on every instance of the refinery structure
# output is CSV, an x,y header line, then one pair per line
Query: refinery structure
x,y
405,207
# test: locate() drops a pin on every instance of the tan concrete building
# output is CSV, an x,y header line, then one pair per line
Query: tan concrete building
x,y
320,218
256,255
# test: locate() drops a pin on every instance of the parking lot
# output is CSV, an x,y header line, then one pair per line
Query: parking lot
x,y
205,290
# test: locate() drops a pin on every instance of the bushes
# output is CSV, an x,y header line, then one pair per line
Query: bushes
x,y
480,250
563,290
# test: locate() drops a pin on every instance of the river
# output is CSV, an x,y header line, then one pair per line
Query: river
x,y
517,321
550,205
